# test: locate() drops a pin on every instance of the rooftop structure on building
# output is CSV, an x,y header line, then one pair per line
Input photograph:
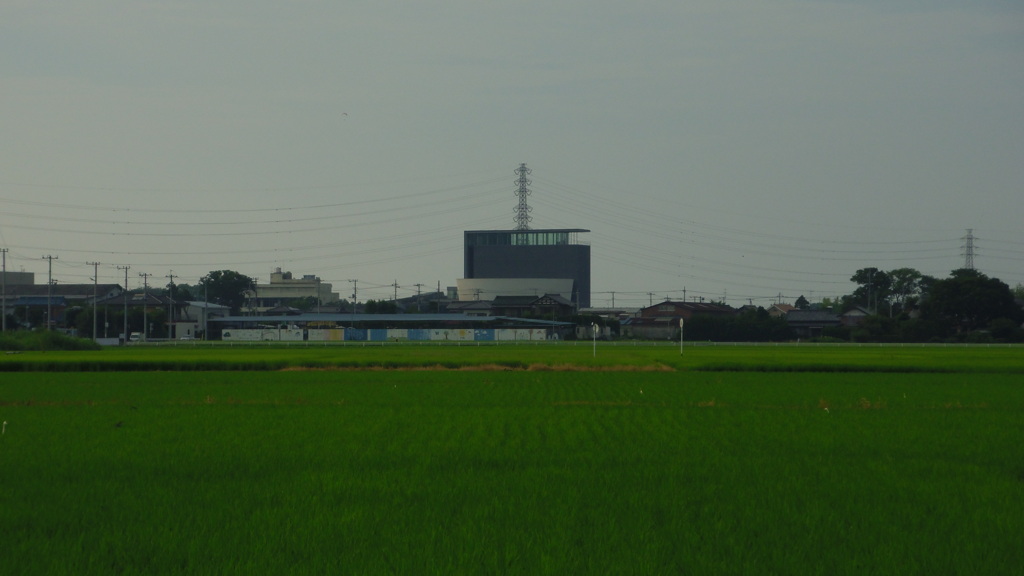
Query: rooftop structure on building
x,y
10,278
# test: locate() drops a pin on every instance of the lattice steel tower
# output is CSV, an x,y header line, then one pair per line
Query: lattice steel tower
x,y
968,249
523,217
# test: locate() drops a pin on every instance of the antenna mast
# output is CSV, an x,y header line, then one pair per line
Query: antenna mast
x,y
523,217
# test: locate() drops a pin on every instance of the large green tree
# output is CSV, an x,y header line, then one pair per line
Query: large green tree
x,y
907,285
874,288
227,288
306,303
380,307
969,300
179,292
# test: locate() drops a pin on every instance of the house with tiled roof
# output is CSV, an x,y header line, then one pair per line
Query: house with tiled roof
x,y
780,310
546,306
811,323
854,316
661,321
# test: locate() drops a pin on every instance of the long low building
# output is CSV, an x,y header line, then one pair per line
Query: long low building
x,y
388,327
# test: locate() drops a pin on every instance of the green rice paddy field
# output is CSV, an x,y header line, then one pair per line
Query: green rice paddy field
x,y
513,460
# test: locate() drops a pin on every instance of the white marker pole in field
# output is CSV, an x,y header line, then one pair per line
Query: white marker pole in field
x,y
593,328
680,336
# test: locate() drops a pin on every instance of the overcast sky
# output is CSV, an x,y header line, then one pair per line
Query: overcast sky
x,y
736,148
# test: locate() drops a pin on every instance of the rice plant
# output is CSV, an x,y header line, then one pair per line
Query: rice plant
x,y
513,472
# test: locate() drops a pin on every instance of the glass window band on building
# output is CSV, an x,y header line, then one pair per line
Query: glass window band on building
x,y
523,237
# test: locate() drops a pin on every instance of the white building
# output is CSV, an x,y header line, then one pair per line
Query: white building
x,y
284,288
470,289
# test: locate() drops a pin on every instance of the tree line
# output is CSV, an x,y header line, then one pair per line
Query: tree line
x,y
901,305
905,305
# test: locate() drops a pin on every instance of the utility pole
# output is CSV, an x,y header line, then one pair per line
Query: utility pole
x,y
145,304
3,279
95,280
871,277
395,285
650,298
49,289
355,298
419,301
206,306
170,306
125,296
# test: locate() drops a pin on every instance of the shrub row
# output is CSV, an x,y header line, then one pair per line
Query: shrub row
x,y
44,341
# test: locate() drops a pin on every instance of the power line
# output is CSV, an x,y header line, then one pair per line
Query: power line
x,y
375,199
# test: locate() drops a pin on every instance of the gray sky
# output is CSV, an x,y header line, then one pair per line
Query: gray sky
x,y
744,148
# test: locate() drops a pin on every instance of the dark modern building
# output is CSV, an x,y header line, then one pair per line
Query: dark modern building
x,y
541,254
